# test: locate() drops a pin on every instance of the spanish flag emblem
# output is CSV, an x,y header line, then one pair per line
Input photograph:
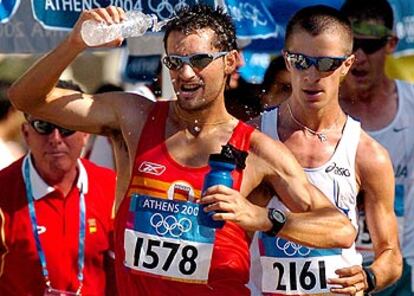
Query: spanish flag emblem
x,y
92,225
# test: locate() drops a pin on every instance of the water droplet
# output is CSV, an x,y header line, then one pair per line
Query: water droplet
x,y
197,128
153,118
195,121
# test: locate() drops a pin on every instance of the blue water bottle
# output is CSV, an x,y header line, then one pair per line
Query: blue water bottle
x,y
220,174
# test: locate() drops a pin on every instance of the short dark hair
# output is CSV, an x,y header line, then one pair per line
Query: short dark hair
x,y
318,19
379,10
190,19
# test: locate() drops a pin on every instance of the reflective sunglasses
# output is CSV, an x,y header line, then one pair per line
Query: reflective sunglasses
x,y
322,64
369,46
46,128
196,61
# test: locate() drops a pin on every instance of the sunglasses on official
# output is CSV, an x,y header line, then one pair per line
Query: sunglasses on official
x,y
322,64
196,61
369,45
46,128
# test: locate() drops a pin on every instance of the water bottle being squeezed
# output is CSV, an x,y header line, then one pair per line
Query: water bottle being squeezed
x,y
219,174
136,24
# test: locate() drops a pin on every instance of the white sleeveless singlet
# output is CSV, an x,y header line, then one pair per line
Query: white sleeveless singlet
x,y
285,268
398,139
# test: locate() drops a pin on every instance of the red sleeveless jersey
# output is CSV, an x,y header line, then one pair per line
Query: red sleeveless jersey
x,y
160,248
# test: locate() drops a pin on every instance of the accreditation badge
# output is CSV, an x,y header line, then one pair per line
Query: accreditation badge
x,y
163,238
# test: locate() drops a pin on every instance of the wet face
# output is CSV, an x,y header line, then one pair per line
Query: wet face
x,y
313,87
198,87
54,153
279,91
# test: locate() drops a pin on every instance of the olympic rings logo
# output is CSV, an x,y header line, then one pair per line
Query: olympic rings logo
x,y
248,12
170,224
164,9
291,248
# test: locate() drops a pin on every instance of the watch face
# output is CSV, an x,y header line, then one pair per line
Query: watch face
x,y
278,216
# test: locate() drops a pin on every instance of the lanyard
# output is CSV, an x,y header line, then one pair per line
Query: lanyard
x,y
32,212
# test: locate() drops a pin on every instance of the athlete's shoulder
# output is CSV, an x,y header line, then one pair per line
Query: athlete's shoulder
x,y
405,91
371,156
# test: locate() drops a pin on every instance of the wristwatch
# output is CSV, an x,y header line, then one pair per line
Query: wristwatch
x,y
371,280
278,219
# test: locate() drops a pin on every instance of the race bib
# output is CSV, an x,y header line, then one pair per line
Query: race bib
x,y
163,238
289,268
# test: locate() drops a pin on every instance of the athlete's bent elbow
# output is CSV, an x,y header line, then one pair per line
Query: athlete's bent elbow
x,y
15,98
346,235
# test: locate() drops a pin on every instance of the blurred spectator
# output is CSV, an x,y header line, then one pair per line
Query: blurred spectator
x,y
56,217
243,102
385,108
10,120
241,97
276,83
151,91
107,87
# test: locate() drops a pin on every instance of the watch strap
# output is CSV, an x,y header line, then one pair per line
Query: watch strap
x,y
371,279
277,224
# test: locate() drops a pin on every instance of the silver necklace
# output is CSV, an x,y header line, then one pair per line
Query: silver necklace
x,y
321,135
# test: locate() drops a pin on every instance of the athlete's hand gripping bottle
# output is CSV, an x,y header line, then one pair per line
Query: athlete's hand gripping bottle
x,y
136,24
220,174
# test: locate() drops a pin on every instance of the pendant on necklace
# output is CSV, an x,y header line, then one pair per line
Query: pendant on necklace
x,y
322,137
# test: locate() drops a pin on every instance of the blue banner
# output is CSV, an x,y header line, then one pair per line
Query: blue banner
x,y
404,26
7,9
22,34
37,26
252,19
62,14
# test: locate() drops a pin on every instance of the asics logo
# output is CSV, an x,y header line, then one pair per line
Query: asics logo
x,y
151,168
337,170
291,248
170,224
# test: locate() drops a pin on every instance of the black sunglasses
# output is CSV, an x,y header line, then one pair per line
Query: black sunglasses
x,y
369,46
322,64
197,61
46,128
